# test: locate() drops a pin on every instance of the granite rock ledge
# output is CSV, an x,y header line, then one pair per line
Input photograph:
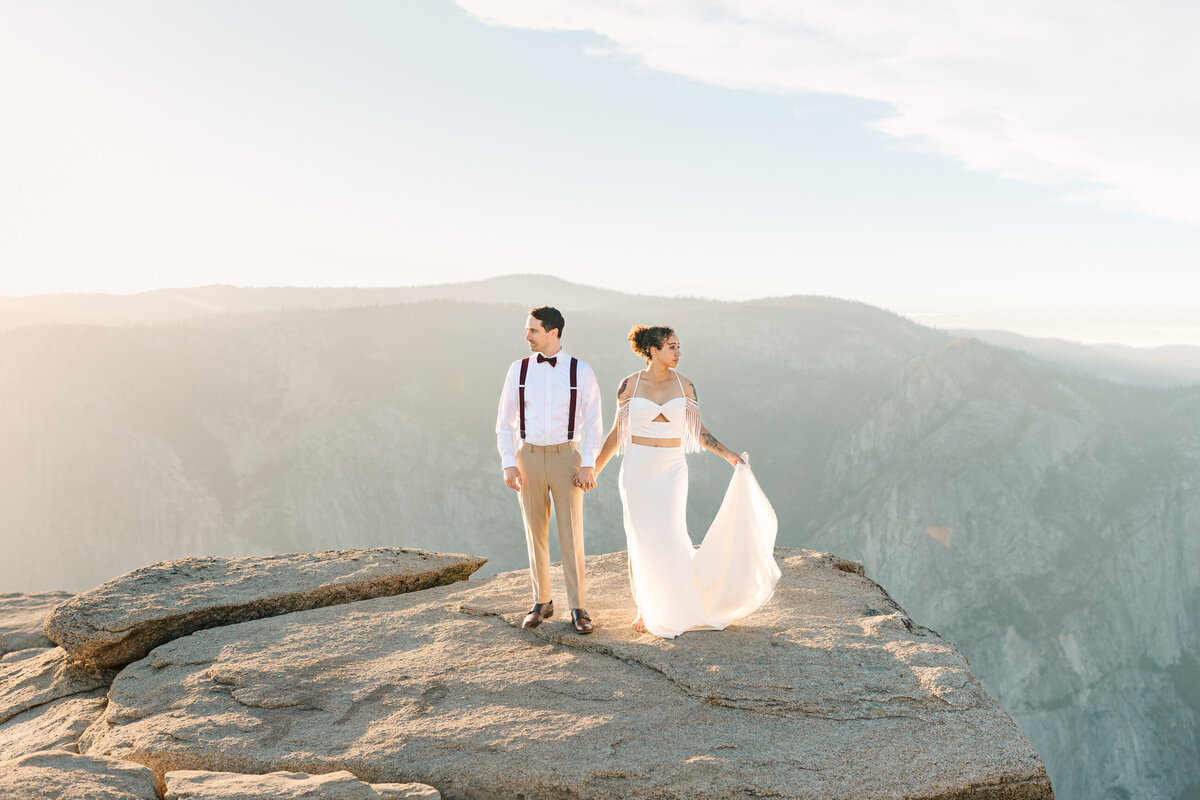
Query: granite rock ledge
x,y
122,620
830,691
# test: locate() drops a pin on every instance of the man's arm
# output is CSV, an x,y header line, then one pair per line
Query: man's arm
x,y
589,415
592,427
506,429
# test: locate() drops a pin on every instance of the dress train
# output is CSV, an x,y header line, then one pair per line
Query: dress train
x,y
681,588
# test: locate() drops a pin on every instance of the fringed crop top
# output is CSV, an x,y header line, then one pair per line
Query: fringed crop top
x,y
635,417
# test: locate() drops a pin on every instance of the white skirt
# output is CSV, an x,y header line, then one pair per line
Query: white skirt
x,y
677,587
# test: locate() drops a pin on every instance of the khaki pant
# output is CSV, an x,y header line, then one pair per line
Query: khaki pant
x,y
549,471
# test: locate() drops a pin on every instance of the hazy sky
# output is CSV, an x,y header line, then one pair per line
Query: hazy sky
x,y
976,163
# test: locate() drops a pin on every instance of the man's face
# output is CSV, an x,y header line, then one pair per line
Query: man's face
x,y
540,341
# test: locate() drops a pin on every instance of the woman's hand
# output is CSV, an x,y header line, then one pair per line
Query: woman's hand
x,y
734,459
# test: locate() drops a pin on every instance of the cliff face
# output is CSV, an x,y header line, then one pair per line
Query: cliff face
x,y
1054,533
829,691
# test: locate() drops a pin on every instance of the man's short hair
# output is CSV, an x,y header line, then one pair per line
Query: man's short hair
x,y
550,317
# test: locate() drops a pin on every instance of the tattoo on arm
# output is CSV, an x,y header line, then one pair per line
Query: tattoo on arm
x,y
695,393
622,387
710,441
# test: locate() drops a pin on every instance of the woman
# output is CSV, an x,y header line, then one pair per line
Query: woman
x,y
677,587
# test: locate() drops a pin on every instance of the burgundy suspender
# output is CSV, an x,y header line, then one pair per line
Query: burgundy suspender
x,y
571,412
521,393
574,391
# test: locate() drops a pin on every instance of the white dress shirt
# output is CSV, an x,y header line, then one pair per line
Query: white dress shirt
x,y
547,403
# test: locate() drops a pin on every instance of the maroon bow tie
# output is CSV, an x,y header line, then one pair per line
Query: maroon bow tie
x,y
552,360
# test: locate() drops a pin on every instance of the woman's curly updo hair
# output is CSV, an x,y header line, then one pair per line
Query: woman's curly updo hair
x,y
643,337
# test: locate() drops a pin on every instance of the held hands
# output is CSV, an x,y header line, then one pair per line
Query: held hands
x,y
586,478
512,478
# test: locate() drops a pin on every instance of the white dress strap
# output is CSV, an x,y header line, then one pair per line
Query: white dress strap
x,y
623,434
691,430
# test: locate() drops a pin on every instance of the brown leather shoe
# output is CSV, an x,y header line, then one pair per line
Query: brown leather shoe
x,y
581,620
540,612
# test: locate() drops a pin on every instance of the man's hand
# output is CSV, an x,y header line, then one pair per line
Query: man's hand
x,y
586,478
512,478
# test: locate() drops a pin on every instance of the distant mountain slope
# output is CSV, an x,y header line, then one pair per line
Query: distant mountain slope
x,y
270,426
1169,365
175,305
1046,521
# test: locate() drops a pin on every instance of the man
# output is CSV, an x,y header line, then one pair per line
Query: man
x,y
548,432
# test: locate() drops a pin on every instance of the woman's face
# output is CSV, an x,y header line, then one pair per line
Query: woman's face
x,y
668,354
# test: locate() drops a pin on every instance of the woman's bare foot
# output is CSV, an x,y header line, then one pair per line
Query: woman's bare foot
x,y
638,626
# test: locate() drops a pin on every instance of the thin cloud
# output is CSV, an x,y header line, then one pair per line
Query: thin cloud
x,y
1100,99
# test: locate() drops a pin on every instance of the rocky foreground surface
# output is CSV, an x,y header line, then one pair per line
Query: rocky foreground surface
x,y
830,691
122,620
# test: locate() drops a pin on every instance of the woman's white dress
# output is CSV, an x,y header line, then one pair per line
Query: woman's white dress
x,y
677,587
